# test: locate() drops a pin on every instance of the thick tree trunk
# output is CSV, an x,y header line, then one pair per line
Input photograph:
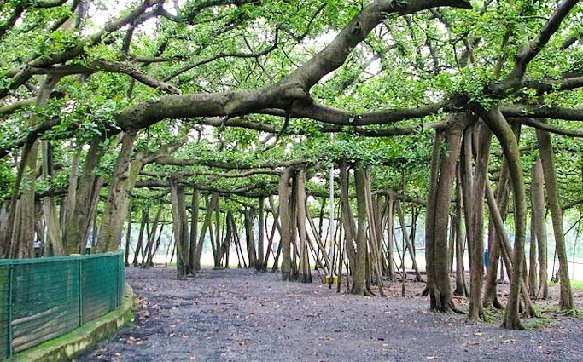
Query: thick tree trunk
x,y
474,203
503,132
359,269
348,223
49,205
124,178
443,167
552,189
82,200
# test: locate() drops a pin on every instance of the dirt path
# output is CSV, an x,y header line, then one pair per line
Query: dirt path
x,y
241,315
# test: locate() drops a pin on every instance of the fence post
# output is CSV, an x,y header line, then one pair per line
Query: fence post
x,y
10,311
80,291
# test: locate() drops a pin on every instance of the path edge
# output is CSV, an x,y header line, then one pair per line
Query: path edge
x,y
69,345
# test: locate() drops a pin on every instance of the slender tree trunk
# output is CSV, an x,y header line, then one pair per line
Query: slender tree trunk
x,y
490,299
390,227
250,236
151,236
18,237
261,264
539,232
460,280
407,240
210,206
180,228
547,158
140,241
128,239
195,207
218,242
305,275
286,225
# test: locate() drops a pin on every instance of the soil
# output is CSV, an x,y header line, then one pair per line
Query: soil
x,y
243,315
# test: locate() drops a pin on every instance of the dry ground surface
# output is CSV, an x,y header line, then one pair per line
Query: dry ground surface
x,y
243,315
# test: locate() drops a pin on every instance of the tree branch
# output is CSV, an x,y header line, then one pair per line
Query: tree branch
x,y
528,52
527,111
23,74
534,123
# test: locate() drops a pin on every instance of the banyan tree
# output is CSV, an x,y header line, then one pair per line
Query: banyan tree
x,y
295,135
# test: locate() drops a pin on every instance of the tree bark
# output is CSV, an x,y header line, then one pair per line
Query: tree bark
x,y
286,225
305,275
82,200
539,233
443,168
261,263
475,205
195,207
180,228
359,269
124,177
547,158
503,132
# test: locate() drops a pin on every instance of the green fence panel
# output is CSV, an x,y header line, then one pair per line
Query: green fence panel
x,y
44,298
99,287
46,301
5,337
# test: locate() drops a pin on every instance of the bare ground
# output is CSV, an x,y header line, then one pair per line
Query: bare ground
x,y
242,315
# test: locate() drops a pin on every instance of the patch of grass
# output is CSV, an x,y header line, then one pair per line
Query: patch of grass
x,y
493,316
538,323
577,284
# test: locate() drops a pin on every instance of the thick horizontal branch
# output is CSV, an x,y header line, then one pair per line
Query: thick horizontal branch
x,y
555,85
295,87
225,165
247,191
14,106
526,111
108,66
534,123
215,174
337,116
